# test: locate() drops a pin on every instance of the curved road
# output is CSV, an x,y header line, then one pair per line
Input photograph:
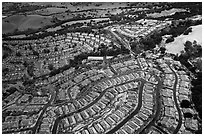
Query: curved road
x,y
157,104
39,121
132,114
54,130
175,100
125,44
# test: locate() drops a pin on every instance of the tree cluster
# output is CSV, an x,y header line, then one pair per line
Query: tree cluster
x,y
197,93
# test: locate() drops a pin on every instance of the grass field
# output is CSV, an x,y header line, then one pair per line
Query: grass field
x,y
178,44
166,13
43,17
22,22
49,11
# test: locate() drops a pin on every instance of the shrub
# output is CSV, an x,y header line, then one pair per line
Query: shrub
x,y
170,39
187,31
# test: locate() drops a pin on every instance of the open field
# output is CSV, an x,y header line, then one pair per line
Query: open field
x,y
83,6
42,13
42,17
22,22
178,44
49,11
166,13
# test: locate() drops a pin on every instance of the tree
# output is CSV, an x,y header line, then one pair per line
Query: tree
x,y
30,47
56,49
46,51
25,63
35,53
156,38
185,104
148,43
162,49
198,49
187,31
135,47
30,69
170,39
102,48
188,44
103,51
188,115
51,67
18,54
5,71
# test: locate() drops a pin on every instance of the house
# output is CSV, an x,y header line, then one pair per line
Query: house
x,y
72,120
99,128
128,129
105,125
92,130
110,121
137,120
78,117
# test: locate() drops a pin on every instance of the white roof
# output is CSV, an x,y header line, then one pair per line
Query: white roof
x,y
98,58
